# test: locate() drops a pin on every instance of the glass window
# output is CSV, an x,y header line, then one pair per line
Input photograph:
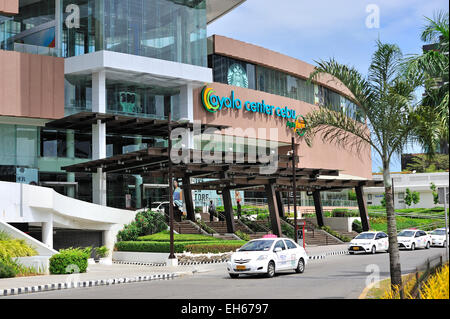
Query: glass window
x,y
7,144
290,244
161,29
53,143
280,244
27,145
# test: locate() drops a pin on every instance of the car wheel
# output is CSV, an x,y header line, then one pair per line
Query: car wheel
x,y
300,266
234,276
428,245
413,246
270,270
374,250
351,252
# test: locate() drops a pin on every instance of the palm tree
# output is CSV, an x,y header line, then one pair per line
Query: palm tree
x,y
386,97
432,70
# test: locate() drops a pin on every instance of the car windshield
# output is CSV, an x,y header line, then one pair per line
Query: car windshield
x,y
365,236
439,232
406,233
155,205
257,245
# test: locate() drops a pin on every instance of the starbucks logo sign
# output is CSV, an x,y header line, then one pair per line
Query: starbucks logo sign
x,y
237,76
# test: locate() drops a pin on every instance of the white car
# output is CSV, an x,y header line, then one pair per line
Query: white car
x,y
159,207
369,242
267,256
438,237
414,238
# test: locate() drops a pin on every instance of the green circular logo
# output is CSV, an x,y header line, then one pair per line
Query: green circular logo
x,y
237,76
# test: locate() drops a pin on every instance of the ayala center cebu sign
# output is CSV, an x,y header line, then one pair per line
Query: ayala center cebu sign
x,y
213,104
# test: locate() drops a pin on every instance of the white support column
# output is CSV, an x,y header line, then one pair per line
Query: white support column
x,y
99,136
99,152
99,92
186,109
58,27
47,232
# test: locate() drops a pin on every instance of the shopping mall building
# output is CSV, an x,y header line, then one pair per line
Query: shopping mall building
x,y
84,80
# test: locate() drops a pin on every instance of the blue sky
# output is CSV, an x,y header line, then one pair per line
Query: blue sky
x,y
316,30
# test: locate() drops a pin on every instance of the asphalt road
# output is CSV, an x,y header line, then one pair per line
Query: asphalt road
x,y
337,277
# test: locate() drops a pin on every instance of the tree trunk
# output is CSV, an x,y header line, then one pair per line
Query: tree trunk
x,y
394,253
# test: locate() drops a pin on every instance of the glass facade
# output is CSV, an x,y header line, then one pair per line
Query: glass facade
x,y
173,30
279,83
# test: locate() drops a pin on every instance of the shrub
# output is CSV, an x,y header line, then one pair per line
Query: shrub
x,y
145,223
214,248
15,248
164,236
437,285
102,252
242,235
70,261
345,239
357,226
164,247
6,270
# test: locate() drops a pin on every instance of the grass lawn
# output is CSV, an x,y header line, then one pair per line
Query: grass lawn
x,y
380,223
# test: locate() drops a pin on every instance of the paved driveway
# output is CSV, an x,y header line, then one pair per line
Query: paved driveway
x,y
336,277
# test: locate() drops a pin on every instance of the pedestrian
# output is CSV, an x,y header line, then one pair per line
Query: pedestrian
x,y
239,209
212,211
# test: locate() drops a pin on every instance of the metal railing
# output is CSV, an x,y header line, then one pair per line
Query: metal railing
x,y
421,275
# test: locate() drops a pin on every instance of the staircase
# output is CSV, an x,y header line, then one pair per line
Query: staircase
x,y
317,237
186,227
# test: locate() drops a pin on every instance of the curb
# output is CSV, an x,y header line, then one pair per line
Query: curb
x,y
164,264
83,284
329,254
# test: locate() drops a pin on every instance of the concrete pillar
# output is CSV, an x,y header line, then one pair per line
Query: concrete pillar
x,y
362,208
99,136
109,241
186,107
99,92
138,190
47,232
319,208
188,201
228,206
273,210
280,203
70,147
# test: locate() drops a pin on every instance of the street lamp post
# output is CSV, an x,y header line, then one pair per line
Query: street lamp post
x,y
446,221
172,250
294,186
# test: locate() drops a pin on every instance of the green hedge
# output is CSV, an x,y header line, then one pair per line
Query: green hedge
x,y
70,261
164,247
165,237
214,248
6,270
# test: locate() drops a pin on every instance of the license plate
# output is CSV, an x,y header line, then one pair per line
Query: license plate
x,y
355,248
241,267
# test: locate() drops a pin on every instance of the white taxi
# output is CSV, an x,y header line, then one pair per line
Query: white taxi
x,y
267,256
369,242
438,237
414,238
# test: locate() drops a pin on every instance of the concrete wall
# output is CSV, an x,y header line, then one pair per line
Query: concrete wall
x,y
419,182
31,85
321,155
337,223
40,248
9,7
130,257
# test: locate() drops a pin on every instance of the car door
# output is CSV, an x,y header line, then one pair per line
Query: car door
x,y
379,241
281,261
292,252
